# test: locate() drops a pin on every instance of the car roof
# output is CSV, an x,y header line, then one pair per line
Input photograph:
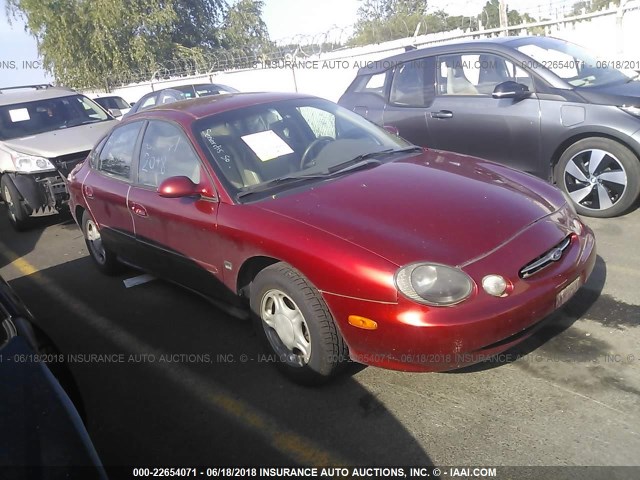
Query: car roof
x,y
496,44
107,96
14,95
187,111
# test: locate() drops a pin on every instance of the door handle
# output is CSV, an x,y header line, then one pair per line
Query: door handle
x,y
442,114
139,210
88,191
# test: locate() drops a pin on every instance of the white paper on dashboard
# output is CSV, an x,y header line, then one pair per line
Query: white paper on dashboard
x,y
267,145
19,115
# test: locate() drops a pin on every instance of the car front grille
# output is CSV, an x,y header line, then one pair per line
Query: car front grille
x,y
547,258
65,163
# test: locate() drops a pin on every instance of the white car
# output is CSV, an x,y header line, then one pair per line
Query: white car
x,y
45,131
116,106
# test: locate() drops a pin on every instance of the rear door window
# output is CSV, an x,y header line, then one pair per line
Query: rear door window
x,y
166,152
413,84
117,155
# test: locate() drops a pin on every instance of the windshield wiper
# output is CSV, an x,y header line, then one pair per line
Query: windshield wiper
x,y
361,161
279,181
344,166
84,122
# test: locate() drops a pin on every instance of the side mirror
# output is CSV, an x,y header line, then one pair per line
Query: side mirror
x,y
178,187
132,103
511,89
392,129
115,112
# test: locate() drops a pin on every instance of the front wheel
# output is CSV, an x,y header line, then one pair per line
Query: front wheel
x,y
18,215
600,175
105,259
295,325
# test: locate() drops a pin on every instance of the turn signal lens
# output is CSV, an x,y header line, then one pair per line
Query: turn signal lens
x,y
362,322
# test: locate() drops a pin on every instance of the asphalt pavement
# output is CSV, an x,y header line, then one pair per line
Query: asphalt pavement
x,y
168,379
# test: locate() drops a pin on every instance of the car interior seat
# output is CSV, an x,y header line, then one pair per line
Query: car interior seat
x,y
457,82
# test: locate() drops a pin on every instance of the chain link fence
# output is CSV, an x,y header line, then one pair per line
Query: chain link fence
x,y
286,52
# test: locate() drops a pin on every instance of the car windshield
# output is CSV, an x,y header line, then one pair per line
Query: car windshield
x,y
204,90
112,102
575,64
276,145
31,118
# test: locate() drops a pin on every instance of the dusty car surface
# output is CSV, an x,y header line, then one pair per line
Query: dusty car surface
x,y
344,239
539,104
44,132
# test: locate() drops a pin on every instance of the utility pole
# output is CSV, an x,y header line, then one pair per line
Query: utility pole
x,y
504,20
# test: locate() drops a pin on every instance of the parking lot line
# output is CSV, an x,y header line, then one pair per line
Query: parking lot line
x,y
139,280
298,448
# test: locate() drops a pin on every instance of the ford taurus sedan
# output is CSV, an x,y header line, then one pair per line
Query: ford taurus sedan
x,y
344,239
539,104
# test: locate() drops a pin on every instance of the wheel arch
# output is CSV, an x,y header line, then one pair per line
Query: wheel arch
x,y
555,158
248,271
78,212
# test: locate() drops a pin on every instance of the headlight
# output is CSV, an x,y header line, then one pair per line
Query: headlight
x,y
29,163
631,110
433,284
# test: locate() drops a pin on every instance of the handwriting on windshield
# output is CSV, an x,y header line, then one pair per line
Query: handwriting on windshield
x,y
216,147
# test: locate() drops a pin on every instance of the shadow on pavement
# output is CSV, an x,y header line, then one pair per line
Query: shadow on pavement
x,y
213,400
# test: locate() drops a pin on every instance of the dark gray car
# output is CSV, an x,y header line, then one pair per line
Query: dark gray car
x,y
538,104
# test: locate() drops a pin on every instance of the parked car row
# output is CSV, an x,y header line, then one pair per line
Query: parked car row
x,y
120,108
346,241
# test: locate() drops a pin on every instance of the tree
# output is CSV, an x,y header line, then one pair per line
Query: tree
x,y
383,20
245,28
86,43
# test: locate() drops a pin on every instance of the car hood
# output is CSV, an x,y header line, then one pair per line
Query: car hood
x,y
621,94
63,141
436,206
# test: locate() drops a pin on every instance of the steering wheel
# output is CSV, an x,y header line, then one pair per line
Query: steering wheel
x,y
313,146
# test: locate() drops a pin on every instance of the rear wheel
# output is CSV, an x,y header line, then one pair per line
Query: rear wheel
x,y
295,325
105,259
18,215
601,176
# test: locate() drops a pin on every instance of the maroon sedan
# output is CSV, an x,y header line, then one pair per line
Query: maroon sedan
x,y
344,239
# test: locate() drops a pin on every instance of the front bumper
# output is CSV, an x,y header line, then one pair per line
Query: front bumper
x,y
414,337
41,190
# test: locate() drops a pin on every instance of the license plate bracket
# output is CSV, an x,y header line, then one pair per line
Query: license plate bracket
x,y
567,292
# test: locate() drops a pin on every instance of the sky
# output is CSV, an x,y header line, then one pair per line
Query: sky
x,y
284,18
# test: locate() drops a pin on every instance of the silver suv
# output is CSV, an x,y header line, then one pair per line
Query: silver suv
x,y
45,131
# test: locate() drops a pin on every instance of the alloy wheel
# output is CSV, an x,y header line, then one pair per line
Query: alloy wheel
x,y
595,179
94,240
286,328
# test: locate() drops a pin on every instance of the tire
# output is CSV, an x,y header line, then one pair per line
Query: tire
x,y
303,341
601,176
18,215
105,259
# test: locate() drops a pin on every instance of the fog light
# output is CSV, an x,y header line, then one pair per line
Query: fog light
x,y
494,285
